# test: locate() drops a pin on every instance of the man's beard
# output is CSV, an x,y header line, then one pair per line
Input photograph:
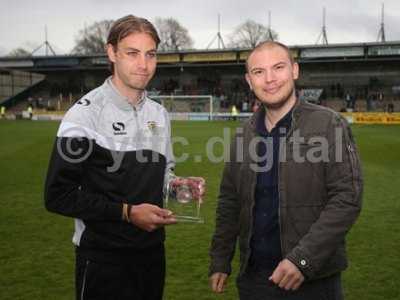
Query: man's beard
x,y
132,84
139,86
282,102
136,87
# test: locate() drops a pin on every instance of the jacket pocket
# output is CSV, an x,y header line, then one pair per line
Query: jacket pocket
x,y
354,160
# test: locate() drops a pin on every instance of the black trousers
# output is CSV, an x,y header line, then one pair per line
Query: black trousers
x,y
139,277
256,286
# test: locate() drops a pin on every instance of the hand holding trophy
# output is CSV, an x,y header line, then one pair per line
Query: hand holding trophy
x,y
184,197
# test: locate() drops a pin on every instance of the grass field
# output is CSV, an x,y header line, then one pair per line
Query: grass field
x,y
36,253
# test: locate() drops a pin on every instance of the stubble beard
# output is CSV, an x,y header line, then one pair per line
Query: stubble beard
x,y
136,87
132,83
284,99
139,86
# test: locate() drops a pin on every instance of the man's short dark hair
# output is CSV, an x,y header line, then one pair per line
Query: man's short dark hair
x,y
270,44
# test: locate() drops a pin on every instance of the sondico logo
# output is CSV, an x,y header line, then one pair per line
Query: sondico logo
x,y
119,128
83,102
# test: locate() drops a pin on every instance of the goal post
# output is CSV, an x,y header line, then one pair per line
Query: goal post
x,y
191,107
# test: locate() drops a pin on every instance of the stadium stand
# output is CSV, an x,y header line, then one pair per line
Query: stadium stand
x,y
368,72
14,84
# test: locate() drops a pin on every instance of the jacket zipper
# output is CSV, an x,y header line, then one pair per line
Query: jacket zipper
x,y
252,203
135,113
84,280
279,206
138,132
279,182
253,186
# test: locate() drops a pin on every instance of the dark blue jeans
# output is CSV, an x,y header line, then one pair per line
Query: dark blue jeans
x,y
256,286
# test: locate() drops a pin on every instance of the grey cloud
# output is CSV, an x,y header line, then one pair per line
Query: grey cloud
x,y
297,22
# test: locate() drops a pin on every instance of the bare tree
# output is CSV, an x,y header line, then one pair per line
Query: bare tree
x,y
249,34
19,52
173,35
92,40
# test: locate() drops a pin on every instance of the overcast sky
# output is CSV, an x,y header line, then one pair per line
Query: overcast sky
x,y
22,22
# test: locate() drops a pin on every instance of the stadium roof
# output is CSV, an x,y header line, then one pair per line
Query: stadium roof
x,y
303,53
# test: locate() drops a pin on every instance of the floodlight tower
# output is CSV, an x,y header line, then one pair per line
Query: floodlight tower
x,y
323,36
218,36
270,35
381,34
45,44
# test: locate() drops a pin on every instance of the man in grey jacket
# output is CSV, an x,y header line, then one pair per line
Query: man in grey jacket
x,y
290,192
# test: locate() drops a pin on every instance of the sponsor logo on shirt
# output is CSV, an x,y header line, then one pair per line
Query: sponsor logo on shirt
x,y
119,128
83,102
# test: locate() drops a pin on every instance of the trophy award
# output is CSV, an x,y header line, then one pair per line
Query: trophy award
x,y
184,198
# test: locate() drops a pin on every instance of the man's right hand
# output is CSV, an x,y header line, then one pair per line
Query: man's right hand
x,y
218,282
150,217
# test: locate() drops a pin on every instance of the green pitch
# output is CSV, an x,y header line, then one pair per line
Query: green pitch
x,y
36,253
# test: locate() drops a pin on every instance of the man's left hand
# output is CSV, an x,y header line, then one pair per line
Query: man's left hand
x,y
287,276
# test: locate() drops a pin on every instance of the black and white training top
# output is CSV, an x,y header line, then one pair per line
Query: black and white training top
x,y
108,152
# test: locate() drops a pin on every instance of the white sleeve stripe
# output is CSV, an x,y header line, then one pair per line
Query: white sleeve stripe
x,y
68,129
73,130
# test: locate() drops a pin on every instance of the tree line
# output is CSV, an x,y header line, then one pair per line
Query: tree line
x,y
174,37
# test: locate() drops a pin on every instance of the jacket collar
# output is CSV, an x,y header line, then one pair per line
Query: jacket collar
x,y
119,100
260,113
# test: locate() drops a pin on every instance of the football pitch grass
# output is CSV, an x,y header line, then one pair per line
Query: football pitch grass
x,y
36,253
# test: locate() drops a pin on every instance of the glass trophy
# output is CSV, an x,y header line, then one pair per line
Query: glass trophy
x,y
184,198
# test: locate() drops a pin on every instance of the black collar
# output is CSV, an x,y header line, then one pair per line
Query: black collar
x,y
284,122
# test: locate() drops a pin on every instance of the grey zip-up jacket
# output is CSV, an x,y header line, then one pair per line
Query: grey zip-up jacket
x,y
108,152
320,192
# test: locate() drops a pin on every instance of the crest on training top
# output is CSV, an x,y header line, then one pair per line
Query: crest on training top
x,y
151,125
